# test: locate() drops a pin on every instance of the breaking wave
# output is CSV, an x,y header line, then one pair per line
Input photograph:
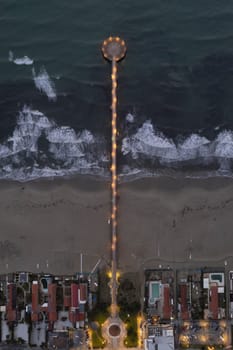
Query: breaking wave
x,y
148,143
44,83
39,147
25,60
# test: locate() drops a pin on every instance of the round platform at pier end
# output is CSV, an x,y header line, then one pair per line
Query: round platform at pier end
x,y
114,48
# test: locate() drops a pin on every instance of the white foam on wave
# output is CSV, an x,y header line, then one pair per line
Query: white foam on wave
x,y
194,141
67,145
38,147
224,144
44,83
195,146
129,118
25,60
149,142
146,141
29,127
69,152
26,174
4,151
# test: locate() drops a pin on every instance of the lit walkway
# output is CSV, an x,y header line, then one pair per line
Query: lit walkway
x,y
113,50
117,328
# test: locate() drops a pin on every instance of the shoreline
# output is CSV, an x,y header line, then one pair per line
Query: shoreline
x,y
122,178
132,176
46,225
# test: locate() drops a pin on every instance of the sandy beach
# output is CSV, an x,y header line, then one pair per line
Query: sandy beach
x,y
46,225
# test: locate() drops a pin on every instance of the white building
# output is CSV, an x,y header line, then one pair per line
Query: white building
x,y
159,337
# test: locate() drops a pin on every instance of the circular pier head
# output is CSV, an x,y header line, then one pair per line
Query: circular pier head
x,y
114,48
114,330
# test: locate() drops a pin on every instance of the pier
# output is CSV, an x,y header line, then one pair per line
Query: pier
x,y
114,50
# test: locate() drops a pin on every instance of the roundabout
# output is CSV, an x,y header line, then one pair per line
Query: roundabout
x,y
114,330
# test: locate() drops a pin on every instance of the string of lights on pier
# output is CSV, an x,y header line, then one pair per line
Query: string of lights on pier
x,y
114,49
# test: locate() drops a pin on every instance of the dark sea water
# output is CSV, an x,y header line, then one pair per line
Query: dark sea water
x,y
175,87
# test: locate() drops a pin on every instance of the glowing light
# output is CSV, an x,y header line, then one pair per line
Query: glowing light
x,y
113,52
139,321
184,340
90,338
204,324
224,338
203,338
114,49
222,323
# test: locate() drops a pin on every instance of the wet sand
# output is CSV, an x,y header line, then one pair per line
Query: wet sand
x,y
46,225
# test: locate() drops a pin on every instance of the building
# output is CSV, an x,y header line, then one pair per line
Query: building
x,y
11,302
184,302
159,337
52,302
159,301
214,292
35,310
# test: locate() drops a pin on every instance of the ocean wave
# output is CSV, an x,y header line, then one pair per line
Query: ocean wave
x,y
129,118
149,142
146,141
38,147
44,83
25,60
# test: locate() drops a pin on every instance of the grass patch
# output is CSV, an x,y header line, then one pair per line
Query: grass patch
x,y
128,314
98,342
99,314
132,337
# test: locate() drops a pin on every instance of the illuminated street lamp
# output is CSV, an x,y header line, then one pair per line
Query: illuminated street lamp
x,y
114,49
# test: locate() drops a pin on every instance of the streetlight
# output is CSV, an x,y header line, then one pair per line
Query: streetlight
x,y
114,49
